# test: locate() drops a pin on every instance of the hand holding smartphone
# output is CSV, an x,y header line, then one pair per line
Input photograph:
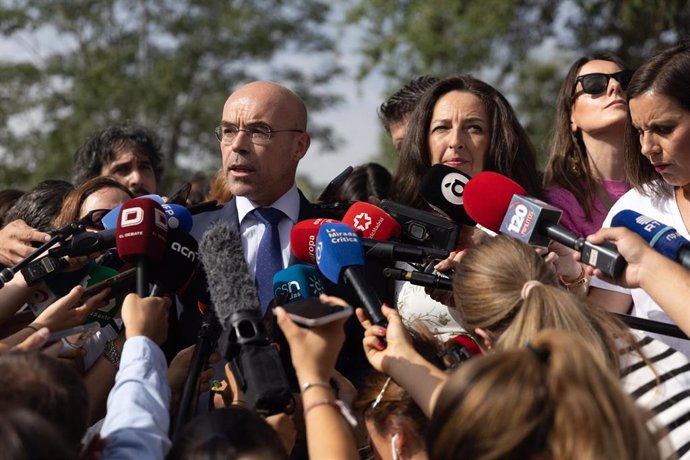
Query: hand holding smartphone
x,y
312,312
82,333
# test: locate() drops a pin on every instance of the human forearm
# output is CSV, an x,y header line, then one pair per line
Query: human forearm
x,y
328,434
421,380
668,284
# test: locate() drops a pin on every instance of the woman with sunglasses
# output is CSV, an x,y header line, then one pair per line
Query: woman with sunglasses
x,y
657,162
96,196
584,174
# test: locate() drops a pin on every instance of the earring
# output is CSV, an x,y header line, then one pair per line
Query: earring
x,y
394,448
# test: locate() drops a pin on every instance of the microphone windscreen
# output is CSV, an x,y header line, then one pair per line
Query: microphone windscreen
x,y
141,230
337,247
229,283
111,218
372,222
178,217
303,239
176,268
297,282
487,198
443,188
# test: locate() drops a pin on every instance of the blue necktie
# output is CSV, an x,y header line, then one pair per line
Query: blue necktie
x,y
269,259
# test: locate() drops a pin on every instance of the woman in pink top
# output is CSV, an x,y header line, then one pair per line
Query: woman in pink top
x,y
584,174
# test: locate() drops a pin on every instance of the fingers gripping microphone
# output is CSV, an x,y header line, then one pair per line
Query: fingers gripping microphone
x,y
663,238
499,204
244,340
141,236
298,282
339,255
443,188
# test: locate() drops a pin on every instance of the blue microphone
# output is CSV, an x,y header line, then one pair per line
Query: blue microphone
x,y
663,238
298,282
178,217
339,255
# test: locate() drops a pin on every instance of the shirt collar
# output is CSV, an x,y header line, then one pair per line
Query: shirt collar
x,y
288,203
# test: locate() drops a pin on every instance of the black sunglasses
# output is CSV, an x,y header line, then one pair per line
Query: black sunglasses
x,y
94,219
596,83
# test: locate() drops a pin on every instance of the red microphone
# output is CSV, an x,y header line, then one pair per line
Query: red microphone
x,y
487,197
371,222
141,236
303,239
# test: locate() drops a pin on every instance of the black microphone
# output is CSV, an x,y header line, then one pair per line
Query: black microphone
x,y
244,340
442,188
419,278
401,252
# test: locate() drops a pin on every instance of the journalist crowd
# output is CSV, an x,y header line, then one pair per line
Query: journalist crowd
x,y
471,303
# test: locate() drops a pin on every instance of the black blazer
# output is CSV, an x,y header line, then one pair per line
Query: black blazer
x,y
352,362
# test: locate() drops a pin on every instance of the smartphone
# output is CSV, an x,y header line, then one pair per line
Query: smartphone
x,y
85,331
312,312
121,283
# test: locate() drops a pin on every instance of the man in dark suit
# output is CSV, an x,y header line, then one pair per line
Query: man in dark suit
x,y
263,136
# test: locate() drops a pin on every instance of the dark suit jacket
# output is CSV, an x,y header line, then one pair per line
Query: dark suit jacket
x,y
352,363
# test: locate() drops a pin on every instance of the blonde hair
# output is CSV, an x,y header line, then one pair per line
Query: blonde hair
x,y
488,287
550,400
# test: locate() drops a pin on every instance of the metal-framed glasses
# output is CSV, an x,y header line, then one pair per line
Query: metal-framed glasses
x,y
258,134
597,83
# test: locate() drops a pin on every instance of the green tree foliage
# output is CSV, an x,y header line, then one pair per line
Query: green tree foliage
x,y
167,64
523,47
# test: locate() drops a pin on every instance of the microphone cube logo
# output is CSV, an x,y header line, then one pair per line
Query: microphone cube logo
x,y
453,187
130,217
362,221
319,251
648,224
316,284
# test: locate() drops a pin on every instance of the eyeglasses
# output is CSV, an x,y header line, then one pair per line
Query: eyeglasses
x,y
257,134
596,83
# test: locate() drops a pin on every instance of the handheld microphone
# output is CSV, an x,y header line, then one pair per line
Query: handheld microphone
x,y
110,219
178,217
141,236
372,222
303,239
297,282
419,278
442,188
244,340
498,203
303,244
663,238
174,272
339,255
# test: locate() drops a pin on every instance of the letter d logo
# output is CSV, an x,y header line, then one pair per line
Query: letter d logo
x,y
131,216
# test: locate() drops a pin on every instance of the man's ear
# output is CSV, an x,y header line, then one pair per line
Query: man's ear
x,y
303,143
486,338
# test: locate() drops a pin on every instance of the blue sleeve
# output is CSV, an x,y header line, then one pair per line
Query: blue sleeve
x,y
137,421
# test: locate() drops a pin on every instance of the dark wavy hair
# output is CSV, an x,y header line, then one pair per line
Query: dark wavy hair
x,y
510,151
104,146
568,149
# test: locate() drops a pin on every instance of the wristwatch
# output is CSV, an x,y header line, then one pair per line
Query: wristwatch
x,y
111,354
